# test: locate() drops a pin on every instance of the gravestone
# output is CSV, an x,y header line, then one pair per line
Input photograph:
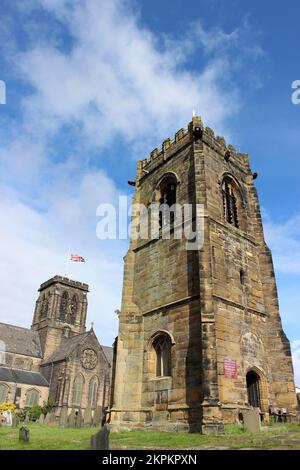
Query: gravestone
x,y
27,417
97,418
15,421
41,419
72,419
79,419
87,417
63,418
47,419
52,418
24,434
100,440
252,420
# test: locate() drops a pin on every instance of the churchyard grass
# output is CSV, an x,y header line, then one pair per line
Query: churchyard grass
x,y
52,437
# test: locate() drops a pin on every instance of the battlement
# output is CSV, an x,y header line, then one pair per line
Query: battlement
x,y
65,281
186,136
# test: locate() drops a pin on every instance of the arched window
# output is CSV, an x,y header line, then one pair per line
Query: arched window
x,y
93,392
64,306
252,380
77,390
230,193
2,352
32,397
73,309
45,306
162,347
166,196
3,393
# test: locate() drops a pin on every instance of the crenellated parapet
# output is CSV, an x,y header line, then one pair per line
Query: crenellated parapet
x,y
195,132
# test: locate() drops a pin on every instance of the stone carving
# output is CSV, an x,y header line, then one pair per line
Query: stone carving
x,y
89,359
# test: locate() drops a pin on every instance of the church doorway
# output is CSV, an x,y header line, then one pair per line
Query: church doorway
x,y
253,389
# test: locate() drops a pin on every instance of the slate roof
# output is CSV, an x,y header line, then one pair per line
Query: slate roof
x,y
67,346
109,353
20,340
22,377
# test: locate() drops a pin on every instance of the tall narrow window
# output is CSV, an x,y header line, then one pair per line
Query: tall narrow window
x,y
229,193
73,309
64,306
45,306
32,397
162,348
167,199
77,390
3,393
93,392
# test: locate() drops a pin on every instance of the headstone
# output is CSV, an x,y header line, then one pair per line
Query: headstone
x,y
97,418
41,419
15,421
72,418
63,417
100,440
252,420
27,417
52,417
8,417
87,417
24,434
79,419
47,418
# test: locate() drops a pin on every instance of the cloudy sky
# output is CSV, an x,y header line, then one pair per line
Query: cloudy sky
x,y
94,85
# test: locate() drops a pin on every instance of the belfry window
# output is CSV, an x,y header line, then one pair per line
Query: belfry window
x,y
229,193
167,198
73,309
45,306
162,347
64,306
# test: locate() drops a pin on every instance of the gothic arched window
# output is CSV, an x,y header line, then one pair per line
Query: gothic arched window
x,y
45,306
32,397
73,309
77,390
3,393
63,310
162,347
93,392
231,199
166,196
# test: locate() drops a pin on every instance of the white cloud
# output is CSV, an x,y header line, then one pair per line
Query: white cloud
x,y
284,240
111,78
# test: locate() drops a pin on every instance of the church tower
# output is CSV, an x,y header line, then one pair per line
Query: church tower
x,y
60,312
200,335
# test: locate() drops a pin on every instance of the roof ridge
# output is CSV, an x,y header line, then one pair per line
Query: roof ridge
x,y
16,326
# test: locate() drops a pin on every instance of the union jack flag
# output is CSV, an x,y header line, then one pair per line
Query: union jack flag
x,y
77,258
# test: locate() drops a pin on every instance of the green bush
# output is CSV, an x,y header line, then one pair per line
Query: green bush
x,y
35,412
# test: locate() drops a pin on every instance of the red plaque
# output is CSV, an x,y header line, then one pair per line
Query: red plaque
x,y
230,368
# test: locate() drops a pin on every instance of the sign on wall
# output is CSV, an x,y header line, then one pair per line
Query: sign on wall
x,y
230,368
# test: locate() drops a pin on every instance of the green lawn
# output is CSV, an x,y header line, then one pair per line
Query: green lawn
x,y
279,436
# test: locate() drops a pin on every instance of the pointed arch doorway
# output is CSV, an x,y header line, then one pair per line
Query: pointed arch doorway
x,y
252,380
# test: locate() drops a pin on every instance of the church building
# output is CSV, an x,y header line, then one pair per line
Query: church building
x,y
200,334
57,358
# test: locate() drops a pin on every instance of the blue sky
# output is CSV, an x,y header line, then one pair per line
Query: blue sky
x,y
94,85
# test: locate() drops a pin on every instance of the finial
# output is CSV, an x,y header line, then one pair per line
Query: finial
x,y
92,325
193,113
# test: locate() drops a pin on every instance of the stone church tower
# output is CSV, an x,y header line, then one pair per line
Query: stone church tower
x,y
200,334
60,312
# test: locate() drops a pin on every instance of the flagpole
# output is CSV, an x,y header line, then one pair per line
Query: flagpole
x,y
67,262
